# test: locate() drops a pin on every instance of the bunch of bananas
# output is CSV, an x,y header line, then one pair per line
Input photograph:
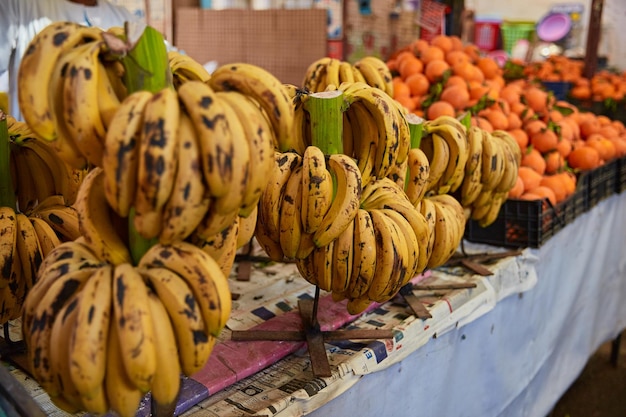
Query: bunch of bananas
x,y
41,219
375,130
490,173
327,71
308,202
106,334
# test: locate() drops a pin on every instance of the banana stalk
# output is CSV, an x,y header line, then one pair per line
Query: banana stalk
x,y
416,127
7,194
147,68
326,112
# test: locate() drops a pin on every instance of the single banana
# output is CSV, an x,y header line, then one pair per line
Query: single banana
x,y
202,273
411,242
185,68
317,189
427,210
342,261
80,101
511,142
345,204
388,262
108,100
216,142
8,243
509,177
60,332
471,185
26,189
167,379
194,343
365,140
269,243
220,246
133,324
493,209
492,162
120,157
454,133
28,250
188,203
37,66
46,236
158,160
364,257
246,228
290,224
265,88
346,73
258,133
41,176
418,171
123,396
445,235
87,342
62,218
238,157
96,220
438,153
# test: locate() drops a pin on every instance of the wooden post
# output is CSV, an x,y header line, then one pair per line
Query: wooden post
x,y
593,38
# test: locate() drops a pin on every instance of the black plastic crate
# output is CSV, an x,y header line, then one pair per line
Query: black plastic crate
x,y
600,182
620,182
524,223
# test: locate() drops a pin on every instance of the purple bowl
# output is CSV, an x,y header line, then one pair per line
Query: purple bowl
x,y
554,27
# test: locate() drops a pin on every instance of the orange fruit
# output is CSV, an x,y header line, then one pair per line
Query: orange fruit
x,y
482,123
489,67
440,108
456,57
457,95
532,158
435,69
400,88
456,80
497,119
544,140
407,102
545,192
432,53
554,162
533,126
583,158
518,188
408,66
418,84
564,147
589,126
556,184
514,121
536,99
604,146
443,42
530,177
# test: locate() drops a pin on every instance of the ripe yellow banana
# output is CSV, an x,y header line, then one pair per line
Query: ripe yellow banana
x,y
246,228
194,342
346,73
108,100
342,261
62,218
492,162
369,66
438,153
8,242
37,66
446,235
216,142
96,220
158,160
290,225
365,140
124,397
28,250
345,204
418,171
202,273
317,189
267,90
471,185
133,324
314,73
60,332
364,257
41,180
46,236
80,101
427,210
87,342
332,73
388,262
411,242
221,246
493,210
454,133
185,68
166,384
258,133
120,157
26,188
188,203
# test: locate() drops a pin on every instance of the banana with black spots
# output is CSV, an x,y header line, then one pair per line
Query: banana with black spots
x,y
158,161
317,189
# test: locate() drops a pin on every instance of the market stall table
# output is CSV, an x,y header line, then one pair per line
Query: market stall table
x,y
510,345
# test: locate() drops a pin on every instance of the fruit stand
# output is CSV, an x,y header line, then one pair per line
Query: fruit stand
x,y
179,242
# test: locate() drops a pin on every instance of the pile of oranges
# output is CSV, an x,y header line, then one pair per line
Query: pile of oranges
x,y
557,140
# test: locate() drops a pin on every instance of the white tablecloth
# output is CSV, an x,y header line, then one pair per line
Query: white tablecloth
x,y
518,359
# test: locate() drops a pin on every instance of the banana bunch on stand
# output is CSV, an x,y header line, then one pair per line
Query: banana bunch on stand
x,y
174,177
327,71
36,187
490,173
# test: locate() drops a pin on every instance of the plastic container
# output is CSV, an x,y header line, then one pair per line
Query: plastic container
x,y
528,223
560,89
512,32
486,34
